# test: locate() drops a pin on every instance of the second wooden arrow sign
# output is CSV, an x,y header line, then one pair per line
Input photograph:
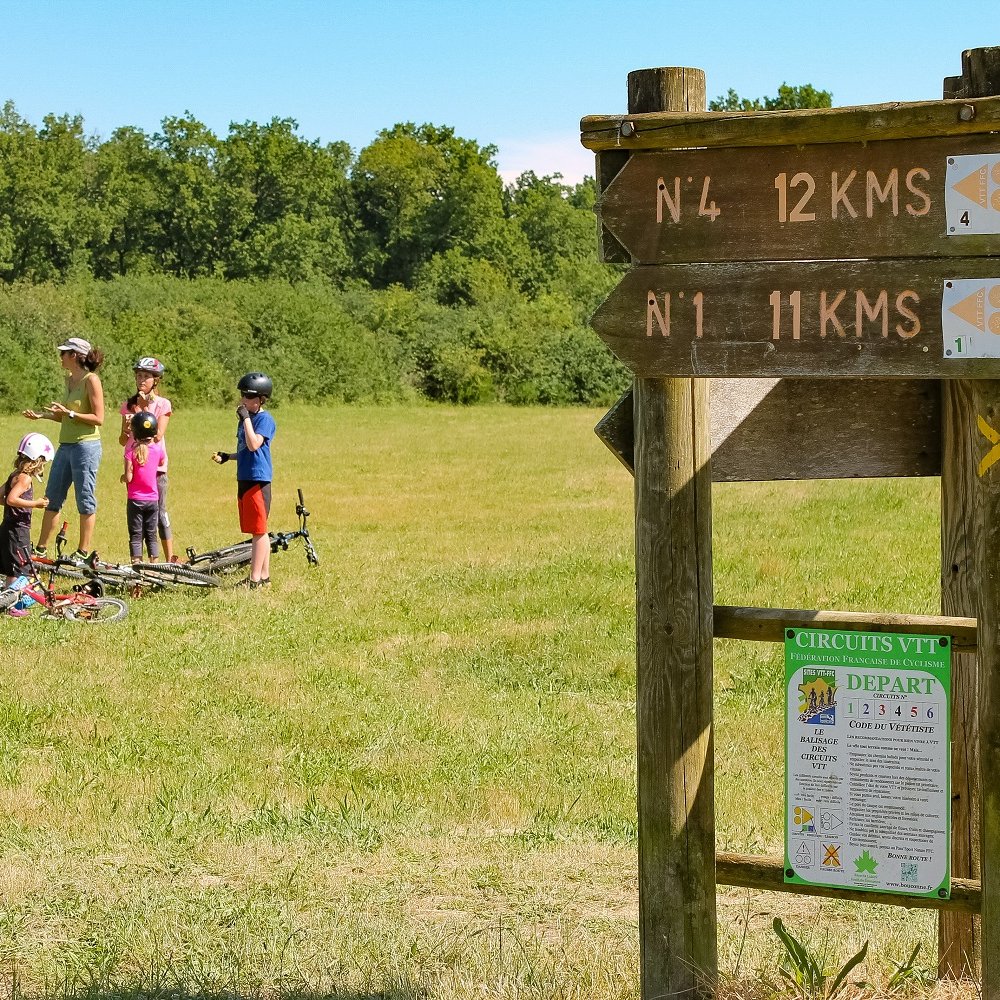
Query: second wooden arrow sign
x,y
926,318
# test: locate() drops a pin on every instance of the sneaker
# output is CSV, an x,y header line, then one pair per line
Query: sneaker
x,y
38,550
248,584
17,612
80,555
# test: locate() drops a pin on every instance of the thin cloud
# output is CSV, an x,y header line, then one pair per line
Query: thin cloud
x,y
545,155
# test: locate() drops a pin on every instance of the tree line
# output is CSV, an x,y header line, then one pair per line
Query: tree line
x,y
408,269
419,206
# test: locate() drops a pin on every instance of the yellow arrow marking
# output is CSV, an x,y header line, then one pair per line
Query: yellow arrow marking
x,y
993,455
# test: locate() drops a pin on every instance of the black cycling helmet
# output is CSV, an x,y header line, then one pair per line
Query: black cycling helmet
x,y
143,426
256,384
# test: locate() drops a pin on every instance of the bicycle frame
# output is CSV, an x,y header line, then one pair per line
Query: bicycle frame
x,y
45,596
240,551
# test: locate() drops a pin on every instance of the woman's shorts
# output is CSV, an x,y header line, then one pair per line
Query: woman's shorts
x,y
74,465
254,501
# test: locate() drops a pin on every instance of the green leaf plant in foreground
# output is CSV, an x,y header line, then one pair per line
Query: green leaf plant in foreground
x,y
806,973
907,973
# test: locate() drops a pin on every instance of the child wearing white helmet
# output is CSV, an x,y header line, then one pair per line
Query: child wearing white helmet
x,y
18,501
147,399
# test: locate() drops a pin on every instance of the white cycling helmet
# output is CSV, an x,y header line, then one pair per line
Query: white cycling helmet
x,y
152,365
34,446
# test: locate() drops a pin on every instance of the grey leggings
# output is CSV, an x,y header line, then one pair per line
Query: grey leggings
x,y
163,518
142,516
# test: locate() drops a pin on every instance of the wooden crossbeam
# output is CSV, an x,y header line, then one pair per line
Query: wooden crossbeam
x,y
868,123
769,624
768,873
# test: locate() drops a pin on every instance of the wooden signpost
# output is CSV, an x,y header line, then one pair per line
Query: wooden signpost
x,y
920,318
843,280
916,198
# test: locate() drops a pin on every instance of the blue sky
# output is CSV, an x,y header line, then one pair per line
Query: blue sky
x,y
517,75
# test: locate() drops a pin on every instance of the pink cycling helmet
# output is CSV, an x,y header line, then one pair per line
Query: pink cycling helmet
x,y
34,446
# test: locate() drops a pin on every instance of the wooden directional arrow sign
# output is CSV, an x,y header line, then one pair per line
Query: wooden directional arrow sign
x,y
908,198
925,318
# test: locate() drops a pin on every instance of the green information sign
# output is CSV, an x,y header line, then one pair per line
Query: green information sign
x,y
868,761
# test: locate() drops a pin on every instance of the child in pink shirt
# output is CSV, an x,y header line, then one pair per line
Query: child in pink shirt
x,y
142,459
148,373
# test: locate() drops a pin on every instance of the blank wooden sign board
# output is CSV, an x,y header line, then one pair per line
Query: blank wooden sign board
x,y
833,278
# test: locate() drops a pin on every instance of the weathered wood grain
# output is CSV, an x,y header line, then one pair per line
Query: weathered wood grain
x,y
866,123
819,202
960,935
769,624
675,750
804,428
807,428
718,320
616,429
675,756
607,166
986,403
767,873
961,539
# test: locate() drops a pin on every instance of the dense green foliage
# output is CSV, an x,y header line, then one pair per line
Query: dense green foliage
x,y
318,342
419,206
408,270
788,99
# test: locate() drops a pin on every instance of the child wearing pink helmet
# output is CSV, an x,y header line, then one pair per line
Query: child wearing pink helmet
x,y
18,501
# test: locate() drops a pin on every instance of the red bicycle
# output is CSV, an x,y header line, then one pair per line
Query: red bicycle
x,y
84,603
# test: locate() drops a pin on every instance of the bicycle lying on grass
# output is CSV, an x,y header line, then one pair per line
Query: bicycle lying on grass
x,y
201,570
84,603
132,578
232,557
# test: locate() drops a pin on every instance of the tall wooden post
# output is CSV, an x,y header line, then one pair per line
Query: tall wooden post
x,y
961,541
673,553
986,397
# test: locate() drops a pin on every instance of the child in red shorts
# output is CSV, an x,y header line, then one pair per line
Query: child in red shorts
x,y
254,471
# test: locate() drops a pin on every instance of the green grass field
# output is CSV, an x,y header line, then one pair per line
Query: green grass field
x,y
409,772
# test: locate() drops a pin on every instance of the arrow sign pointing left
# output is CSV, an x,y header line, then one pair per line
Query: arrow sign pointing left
x,y
878,318
909,198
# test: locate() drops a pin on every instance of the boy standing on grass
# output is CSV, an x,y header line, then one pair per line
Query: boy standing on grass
x,y
254,472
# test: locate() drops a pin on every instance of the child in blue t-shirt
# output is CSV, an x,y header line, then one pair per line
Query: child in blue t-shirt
x,y
254,471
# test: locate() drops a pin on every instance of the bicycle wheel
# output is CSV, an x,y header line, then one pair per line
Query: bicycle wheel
x,y
98,609
178,574
202,560
227,563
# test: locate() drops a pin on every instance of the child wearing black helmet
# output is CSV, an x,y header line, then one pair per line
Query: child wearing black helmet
x,y
254,471
143,456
